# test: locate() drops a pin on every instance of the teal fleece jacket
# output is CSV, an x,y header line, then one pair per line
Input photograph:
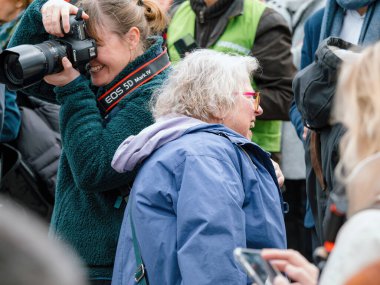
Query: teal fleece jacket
x,y
84,213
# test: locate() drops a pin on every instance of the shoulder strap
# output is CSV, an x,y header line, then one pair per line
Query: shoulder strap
x,y
315,156
140,274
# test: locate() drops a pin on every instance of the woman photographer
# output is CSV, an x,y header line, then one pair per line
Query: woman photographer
x,y
203,188
88,206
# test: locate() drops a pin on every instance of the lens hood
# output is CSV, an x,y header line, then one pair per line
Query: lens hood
x,y
22,66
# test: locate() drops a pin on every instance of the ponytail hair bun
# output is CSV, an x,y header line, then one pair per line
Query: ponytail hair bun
x,y
155,16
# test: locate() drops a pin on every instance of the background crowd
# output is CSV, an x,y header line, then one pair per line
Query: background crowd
x,y
238,123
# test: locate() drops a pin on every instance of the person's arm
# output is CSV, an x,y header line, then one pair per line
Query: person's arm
x,y
272,49
296,119
312,31
210,221
306,59
310,43
89,142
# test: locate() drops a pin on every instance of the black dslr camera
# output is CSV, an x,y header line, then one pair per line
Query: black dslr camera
x,y
24,65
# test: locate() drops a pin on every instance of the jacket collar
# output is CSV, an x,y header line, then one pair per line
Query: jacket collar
x,y
235,8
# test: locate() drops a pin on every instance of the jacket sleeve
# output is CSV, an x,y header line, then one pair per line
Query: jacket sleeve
x,y
89,142
306,59
31,31
272,48
12,117
312,30
210,221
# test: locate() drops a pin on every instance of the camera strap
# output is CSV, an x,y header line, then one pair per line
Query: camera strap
x,y
129,83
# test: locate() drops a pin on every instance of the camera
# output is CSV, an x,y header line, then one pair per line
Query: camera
x,y
25,65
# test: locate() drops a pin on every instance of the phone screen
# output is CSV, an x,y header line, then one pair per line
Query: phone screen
x,y
257,268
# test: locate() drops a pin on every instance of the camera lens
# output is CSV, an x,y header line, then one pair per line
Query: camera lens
x,y
25,65
13,69
53,51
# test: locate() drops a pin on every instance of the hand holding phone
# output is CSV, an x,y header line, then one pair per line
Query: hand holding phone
x,y
257,268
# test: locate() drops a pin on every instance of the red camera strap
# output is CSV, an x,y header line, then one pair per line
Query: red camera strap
x,y
143,74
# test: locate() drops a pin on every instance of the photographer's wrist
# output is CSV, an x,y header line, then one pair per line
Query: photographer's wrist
x,y
71,88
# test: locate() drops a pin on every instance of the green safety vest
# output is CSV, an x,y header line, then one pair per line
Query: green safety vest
x,y
238,38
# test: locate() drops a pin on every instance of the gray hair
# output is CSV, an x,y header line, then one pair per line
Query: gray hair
x,y
203,85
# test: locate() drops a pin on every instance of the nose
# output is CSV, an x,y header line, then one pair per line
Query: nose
x,y
259,111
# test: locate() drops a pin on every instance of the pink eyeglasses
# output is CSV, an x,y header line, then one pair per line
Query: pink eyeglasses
x,y
255,99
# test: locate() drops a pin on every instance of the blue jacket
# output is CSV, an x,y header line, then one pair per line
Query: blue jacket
x,y
309,47
10,118
196,197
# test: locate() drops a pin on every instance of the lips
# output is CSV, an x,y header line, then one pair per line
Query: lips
x,y
96,68
252,124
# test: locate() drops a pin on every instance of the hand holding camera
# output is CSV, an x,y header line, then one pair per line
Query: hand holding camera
x,y
24,65
55,16
56,20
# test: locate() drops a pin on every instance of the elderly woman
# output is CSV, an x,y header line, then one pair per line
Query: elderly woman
x,y
202,188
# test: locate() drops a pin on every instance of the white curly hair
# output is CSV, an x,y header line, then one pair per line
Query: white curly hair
x,y
203,85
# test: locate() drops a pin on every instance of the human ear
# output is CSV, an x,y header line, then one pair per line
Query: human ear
x,y
133,37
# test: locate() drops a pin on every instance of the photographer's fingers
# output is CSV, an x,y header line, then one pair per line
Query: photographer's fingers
x,y
55,12
64,77
65,14
56,21
66,63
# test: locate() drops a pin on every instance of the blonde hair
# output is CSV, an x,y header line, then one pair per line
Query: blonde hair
x,y
357,107
203,85
120,16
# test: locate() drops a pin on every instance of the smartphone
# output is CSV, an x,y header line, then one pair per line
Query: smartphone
x,y
258,269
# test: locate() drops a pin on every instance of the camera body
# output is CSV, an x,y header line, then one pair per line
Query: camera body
x,y
25,65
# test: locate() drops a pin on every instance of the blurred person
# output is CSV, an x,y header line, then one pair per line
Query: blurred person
x,y
347,19
296,12
354,21
370,275
28,257
89,202
244,27
357,243
203,188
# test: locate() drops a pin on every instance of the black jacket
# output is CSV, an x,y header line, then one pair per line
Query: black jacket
x,y
39,140
314,90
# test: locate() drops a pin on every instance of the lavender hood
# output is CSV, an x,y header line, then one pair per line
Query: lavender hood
x,y
135,149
